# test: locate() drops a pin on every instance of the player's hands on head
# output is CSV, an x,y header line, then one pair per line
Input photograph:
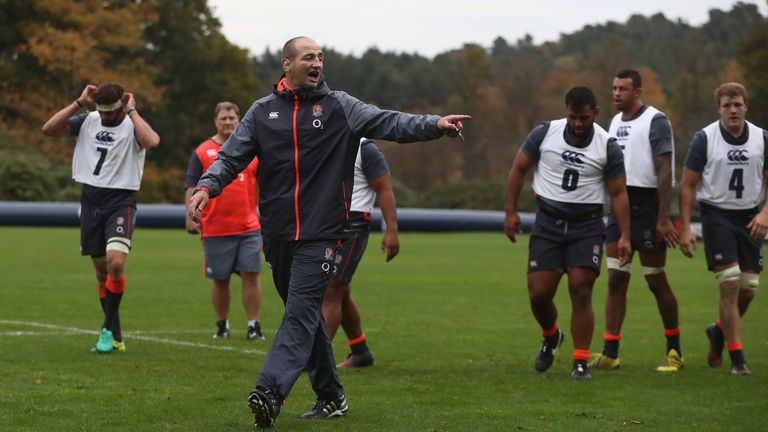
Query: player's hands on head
x,y
86,97
130,102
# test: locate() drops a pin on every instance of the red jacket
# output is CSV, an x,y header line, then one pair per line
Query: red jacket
x,y
234,211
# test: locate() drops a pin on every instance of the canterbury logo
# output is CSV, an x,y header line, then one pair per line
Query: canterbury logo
x,y
573,157
623,131
105,136
274,115
738,156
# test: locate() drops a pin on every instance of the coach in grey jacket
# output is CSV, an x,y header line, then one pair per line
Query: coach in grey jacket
x,y
306,138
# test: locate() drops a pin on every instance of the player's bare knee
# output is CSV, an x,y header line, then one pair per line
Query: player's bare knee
x,y
657,280
581,296
335,290
539,298
117,251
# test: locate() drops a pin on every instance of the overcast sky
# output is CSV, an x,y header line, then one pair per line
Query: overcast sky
x,y
429,27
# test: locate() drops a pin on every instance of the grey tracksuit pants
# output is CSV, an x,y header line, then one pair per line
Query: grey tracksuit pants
x,y
301,271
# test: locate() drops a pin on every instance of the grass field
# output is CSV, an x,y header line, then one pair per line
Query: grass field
x,y
448,322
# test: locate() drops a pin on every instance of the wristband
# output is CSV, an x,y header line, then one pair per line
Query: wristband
x,y
132,110
202,188
79,104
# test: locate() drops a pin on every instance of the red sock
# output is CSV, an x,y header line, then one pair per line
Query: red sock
x,y
550,331
580,354
116,287
357,340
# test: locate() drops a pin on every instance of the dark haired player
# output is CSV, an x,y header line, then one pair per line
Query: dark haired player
x,y
645,136
109,162
574,162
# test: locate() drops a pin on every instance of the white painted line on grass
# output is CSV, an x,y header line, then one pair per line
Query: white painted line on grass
x,y
133,336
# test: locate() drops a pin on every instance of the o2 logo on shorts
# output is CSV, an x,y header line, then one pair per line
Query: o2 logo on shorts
x,y
596,254
330,262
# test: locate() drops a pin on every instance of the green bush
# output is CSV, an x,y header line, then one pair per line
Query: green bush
x,y
404,196
464,194
27,176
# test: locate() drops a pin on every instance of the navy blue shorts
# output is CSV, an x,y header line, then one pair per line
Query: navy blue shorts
x,y
727,239
558,244
644,209
102,225
351,254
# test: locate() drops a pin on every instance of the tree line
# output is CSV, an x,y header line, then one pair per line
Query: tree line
x,y
173,56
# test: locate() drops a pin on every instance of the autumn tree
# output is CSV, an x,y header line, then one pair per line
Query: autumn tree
x,y
197,67
753,57
58,47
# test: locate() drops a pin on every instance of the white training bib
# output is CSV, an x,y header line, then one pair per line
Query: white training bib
x,y
363,195
108,157
733,176
633,137
571,174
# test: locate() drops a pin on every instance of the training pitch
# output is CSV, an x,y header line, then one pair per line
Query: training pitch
x,y
448,322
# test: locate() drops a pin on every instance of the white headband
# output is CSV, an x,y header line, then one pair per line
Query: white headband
x,y
110,107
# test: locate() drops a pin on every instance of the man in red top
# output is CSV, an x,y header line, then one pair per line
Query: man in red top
x,y
230,228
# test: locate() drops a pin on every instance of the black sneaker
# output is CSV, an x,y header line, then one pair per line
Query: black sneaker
x,y
222,331
741,370
580,371
254,333
716,345
265,407
325,409
546,354
356,361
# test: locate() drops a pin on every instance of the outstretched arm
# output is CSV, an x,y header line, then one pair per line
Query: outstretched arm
x,y
451,125
373,122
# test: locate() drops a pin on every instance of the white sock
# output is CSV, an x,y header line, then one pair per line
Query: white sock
x,y
252,323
